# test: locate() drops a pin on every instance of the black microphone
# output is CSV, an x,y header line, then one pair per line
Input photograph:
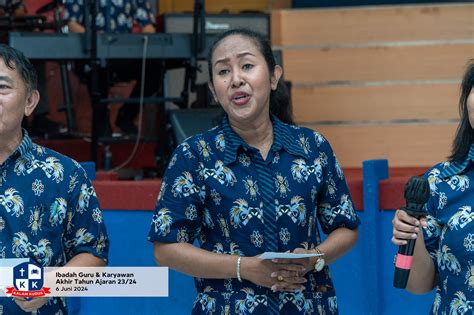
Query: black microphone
x,y
417,192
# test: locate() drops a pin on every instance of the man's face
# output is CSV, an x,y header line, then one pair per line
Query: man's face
x,y
15,100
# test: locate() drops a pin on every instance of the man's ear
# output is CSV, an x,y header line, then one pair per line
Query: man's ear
x,y
277,73
31,102
211,87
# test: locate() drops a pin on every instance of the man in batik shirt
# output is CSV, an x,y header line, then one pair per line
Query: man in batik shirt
x,y
48,209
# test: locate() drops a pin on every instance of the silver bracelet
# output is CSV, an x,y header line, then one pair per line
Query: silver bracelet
x,y
238,269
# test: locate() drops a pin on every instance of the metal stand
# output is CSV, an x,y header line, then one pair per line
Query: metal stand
x,y
90,47
70,117
198,43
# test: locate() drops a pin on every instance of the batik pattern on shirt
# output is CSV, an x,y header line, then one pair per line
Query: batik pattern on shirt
x,y
449,237
120,13
212,192
49,212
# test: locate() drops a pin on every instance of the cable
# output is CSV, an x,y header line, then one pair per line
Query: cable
x,y
140,113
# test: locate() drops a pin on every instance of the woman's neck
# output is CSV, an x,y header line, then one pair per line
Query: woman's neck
x,y
258,135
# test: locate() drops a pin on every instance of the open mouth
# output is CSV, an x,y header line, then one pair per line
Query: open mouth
x,y
240,99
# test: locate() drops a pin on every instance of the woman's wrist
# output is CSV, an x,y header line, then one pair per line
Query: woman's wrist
x,y
238,268
244,268
317,262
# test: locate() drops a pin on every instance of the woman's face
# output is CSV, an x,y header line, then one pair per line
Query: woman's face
x,y
470,107
241,81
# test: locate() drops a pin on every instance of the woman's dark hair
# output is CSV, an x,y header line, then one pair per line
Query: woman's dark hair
x,y
280,104
465,132
15,60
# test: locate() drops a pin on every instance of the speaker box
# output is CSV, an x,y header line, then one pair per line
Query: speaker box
x,y
188,122
216,23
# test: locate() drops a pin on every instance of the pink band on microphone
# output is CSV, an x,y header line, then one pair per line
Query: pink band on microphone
x,y
403,261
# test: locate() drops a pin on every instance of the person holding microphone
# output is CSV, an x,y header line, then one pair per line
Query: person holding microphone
x,y
443,256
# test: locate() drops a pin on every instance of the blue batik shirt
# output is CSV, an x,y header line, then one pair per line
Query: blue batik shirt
x,y
217,189
449,237
113,16
49,212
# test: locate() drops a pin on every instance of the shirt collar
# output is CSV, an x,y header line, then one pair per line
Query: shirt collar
x,y
24,148
26,145
456,167
281,140
232,141
282,134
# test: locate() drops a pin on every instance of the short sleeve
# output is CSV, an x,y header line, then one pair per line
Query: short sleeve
x,y
143,13
178,212
432,232
85,231
73,11
335,208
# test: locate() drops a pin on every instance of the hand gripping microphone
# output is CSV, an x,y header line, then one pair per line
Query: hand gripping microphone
x,y
417,192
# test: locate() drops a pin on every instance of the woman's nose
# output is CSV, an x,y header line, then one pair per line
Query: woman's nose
x,y
237,79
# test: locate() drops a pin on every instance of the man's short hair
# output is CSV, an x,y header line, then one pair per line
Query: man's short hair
x,y
16,60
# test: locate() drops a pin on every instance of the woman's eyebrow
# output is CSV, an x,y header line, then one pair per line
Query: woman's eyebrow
x,y
240,55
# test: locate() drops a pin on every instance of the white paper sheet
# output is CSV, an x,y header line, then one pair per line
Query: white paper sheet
x,y
272,255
